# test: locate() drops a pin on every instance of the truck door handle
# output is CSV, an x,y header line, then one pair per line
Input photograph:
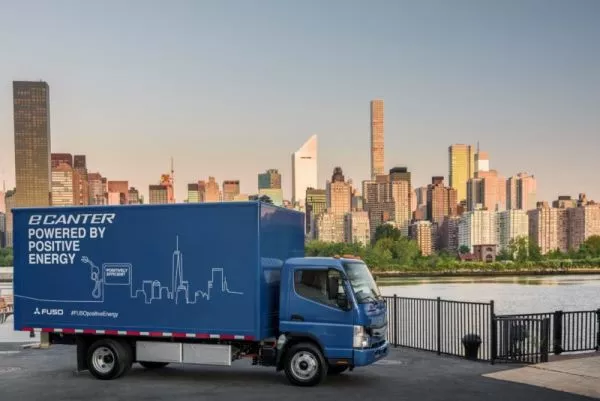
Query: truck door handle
x,y
297,318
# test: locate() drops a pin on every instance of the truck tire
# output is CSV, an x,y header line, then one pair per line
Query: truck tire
x,y
305,365
109,359
153,365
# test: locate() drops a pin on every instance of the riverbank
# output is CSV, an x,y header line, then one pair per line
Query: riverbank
x,y
483,272
460,272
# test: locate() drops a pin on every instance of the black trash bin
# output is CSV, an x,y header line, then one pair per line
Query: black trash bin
x,y
471,342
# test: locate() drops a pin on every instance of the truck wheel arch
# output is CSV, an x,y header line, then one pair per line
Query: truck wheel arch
x,y
121,354
293,338
85,342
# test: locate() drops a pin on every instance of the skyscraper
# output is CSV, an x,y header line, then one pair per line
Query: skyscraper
x,y
31,101
477,227
231,188
526,192
97,192
158,194
421,231
65,185
357,228
2,227
339,203
316,204
482,162
488,190
270,179
377,139
441,201
134,196
402,195
521,192
339,194
269,184
212,192
9,199
58,158
379,202
193,195
549,228
461,166
304,170
80,166
120,187
512,224
584,222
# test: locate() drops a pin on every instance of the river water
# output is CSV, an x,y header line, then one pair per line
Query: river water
x,y
514,294
522,294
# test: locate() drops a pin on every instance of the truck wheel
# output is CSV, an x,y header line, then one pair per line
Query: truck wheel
x,y
153,365
305,365
109,359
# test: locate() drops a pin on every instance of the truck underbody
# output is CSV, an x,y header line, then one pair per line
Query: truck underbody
x,y
109,357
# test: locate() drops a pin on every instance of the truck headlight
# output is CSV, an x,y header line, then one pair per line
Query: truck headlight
x,y
361,339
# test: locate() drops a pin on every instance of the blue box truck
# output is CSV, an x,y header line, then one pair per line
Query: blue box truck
x,y
205,283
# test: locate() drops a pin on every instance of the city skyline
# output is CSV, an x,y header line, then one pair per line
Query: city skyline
x,y
305,168
529,109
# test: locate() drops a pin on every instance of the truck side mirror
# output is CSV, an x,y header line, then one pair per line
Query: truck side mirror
x,y
342,301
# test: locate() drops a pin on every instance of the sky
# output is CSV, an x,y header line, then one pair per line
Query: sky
x,y
232,88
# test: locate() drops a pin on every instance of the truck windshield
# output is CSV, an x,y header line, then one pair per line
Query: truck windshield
x,y
362,282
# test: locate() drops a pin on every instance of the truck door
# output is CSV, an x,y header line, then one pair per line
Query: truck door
x,y
317,307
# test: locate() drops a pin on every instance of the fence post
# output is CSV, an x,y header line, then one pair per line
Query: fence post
x,y
558,332
598,332
439,326
396,324
544,346
493,334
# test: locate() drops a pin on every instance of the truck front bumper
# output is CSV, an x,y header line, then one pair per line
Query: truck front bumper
x,y
363,357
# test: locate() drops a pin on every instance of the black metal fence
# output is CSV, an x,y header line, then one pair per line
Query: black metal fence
x,y
440,325
521,339
573,331
473,330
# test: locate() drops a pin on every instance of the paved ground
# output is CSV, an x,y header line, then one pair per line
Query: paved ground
x,y
579,375
33,374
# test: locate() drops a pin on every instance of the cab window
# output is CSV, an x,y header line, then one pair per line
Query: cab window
x,y
323,285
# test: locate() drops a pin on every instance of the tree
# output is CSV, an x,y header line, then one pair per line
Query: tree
x,y
590,247
406,251
261,198
519,248
555,254
386,231
6,257
504,254
463,249
535,252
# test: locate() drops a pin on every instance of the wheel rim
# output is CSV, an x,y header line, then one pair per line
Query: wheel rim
x,y
304,366
103,360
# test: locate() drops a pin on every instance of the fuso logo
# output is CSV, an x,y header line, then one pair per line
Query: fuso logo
x,y
48,312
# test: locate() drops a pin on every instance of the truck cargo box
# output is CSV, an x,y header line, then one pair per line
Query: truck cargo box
x,y
205,270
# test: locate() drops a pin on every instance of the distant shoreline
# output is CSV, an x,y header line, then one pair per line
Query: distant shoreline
x,y
486,273
462,273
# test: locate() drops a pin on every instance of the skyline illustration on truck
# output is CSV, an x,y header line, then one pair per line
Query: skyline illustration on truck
x,y
121,274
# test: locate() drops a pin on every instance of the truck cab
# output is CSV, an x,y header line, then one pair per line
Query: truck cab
x,y
332,318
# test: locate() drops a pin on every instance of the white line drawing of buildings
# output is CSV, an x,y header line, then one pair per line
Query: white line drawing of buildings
x,y
151,290
180,289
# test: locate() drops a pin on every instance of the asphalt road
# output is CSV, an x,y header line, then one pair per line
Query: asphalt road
x,y
406,375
